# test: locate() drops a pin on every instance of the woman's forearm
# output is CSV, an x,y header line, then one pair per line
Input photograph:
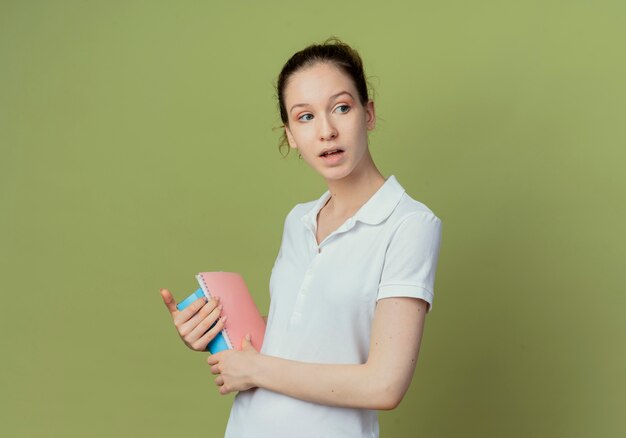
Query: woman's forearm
x,y
356,386
380,383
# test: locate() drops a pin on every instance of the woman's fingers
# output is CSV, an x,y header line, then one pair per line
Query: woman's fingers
x,y
214,359
205,318
219,381
168,299
180,318
191,323
207,337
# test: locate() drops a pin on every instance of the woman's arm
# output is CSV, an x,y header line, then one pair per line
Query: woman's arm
x,y
380,383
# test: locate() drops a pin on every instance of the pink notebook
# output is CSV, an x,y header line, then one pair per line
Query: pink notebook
x,y
237,304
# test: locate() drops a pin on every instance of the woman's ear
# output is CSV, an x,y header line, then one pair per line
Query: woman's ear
x,y
370,115
290,139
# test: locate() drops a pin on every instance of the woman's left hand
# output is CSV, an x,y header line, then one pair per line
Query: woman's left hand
x,y
234,369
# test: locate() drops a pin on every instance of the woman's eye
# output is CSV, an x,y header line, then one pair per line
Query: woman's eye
x,y
343,108
306,117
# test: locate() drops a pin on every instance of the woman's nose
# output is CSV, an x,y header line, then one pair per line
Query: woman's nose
x,y
328,131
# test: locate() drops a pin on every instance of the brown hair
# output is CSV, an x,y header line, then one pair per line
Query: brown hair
x,y
332,51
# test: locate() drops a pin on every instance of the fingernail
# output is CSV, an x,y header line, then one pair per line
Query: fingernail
x,y
224,318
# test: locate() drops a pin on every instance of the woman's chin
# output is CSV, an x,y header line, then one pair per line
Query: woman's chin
x,y
336,174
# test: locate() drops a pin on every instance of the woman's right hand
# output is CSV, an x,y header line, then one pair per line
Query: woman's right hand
x,y
194,322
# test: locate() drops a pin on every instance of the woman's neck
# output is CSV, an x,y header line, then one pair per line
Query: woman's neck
x,y
349,194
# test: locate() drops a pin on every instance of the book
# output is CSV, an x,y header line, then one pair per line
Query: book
x,y
237,304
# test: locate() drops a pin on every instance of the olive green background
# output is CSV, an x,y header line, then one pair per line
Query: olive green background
x,y
137,148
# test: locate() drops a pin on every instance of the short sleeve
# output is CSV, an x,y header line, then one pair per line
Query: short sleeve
x,y
411,259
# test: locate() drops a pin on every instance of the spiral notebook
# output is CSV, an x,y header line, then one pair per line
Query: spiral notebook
x,y
237,304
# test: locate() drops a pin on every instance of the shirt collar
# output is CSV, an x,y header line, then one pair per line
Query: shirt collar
x,y
374,211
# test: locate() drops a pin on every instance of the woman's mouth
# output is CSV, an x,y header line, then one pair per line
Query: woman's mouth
x,y
332,155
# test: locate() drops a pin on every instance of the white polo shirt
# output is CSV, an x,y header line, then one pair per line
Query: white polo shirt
x,y
323,300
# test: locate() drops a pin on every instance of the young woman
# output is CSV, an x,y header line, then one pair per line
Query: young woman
x,y
352,282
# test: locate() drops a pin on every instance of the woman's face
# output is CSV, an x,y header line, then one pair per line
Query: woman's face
x,y
327,122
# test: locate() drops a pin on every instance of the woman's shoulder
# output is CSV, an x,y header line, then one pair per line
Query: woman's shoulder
x,y
412,220
412,209
393,203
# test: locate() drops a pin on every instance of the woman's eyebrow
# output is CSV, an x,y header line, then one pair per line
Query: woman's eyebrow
x,y
334,96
